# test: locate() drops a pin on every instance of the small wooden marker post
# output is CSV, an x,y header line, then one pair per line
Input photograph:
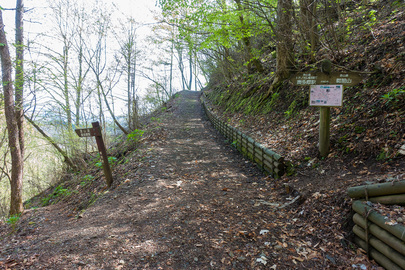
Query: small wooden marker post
x,y
326,90
96,132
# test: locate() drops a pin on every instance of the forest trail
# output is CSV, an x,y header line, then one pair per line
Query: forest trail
x,y
194,203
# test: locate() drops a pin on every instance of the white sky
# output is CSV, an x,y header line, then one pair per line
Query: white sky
x,y
140,10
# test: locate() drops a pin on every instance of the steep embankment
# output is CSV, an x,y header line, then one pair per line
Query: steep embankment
x,y
184,200
367,133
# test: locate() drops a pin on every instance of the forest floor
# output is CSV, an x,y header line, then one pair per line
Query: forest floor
x,y
188,200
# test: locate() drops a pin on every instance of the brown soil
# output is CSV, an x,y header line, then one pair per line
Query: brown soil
x,y
190,201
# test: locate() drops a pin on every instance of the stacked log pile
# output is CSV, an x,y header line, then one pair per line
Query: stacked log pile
x,y
384,241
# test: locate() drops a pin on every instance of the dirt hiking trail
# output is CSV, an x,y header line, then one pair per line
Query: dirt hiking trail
x,y
192,203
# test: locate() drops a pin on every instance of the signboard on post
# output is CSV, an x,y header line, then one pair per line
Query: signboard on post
x,y
326,91
96,132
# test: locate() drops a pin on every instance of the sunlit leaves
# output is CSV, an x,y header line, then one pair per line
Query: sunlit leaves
x,y
218,22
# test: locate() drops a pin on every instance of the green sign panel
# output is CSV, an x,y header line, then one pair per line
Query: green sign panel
x,y
320,78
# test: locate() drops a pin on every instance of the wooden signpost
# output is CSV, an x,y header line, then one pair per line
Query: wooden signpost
x,y
96,132
326,91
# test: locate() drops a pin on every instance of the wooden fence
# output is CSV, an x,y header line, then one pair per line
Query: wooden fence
x,y
268,160
383,241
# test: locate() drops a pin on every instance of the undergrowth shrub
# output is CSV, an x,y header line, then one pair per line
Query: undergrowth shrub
x,y
135,136
58,193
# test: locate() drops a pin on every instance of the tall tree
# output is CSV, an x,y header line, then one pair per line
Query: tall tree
x,y
130,53
82,69
96,58
308,26
19,71
284,45
11,113
166,36
285,59
63,15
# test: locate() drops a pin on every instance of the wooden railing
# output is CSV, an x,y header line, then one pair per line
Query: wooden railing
x,y
383,240
268,160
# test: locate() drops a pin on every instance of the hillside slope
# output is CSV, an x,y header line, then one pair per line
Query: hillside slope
x,y
367,133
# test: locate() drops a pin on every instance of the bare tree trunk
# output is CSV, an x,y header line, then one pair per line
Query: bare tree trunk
x,y
284,41
308,25
171,66
19,72
66,87
195,71
128,50
79,88
16,205
284,47
130,126
80,80
135,113
181,65
191,69
102,92
100,104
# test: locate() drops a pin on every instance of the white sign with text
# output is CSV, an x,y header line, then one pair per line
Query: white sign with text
x,y
326,95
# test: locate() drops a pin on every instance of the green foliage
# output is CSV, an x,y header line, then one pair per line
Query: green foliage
x,y
291,109
343,138
13,220
221,19
136,135
111,160
382,155
371,18
290,169
269,106
93,198
394,97
99,164
154,119
359,130
58,193
86,180
234,144
124,160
